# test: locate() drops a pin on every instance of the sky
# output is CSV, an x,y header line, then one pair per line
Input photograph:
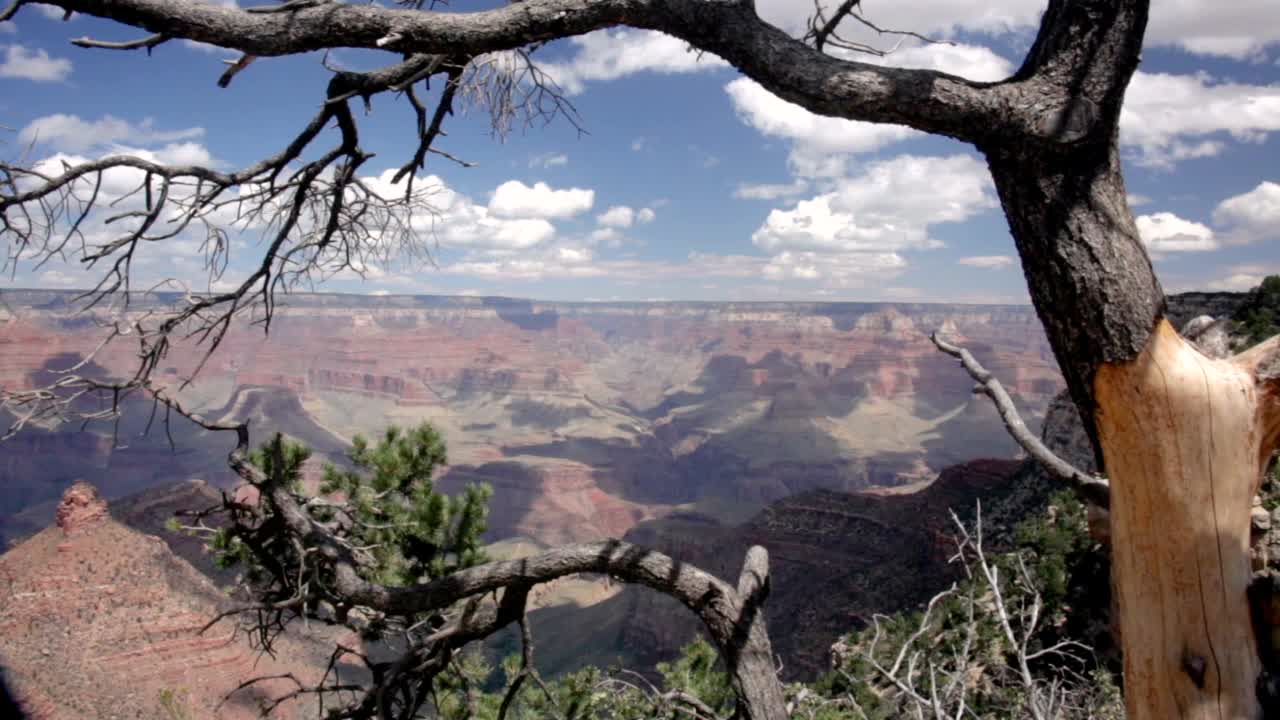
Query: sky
x,y
681,179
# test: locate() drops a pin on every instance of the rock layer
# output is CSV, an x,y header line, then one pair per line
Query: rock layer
x,y
102,621
587,418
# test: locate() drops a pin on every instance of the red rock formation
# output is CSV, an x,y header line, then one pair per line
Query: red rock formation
x,y
100,621
80,509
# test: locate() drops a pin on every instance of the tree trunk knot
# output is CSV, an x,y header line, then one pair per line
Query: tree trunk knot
x,y
1268,691
1194,665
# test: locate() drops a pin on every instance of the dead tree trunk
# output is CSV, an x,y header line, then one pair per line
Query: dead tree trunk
x,y
1183,438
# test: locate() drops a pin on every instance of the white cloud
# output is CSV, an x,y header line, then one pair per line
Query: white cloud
x,y
623,216
1252,216
1165,232
1246,277
610,54
1167,118
934,17
1240,29
51,12
816,137
968,61
767,191
26,64
990,262
547,160
606,236
852,269
515,199
459,223
888,208
70,133
8,27
619,216
1137,200
563,261
60,279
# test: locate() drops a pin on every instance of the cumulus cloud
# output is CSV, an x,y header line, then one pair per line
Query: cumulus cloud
x,y
1241,29
611,54
990,262
617,216
1165,232
70,133
887,208
457,222
815,137
1167,118
1252,216
515,199
846,270
623,216
24,63
8,27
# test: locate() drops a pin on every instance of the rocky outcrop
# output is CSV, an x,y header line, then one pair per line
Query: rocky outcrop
x,y
101,621
835,559
80,510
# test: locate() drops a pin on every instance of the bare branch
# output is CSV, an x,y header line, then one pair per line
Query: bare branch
x,y
1090,487
147,43
11,10
924,99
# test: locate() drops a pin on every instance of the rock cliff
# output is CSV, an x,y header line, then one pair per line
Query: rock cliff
x,y
587,418
102,621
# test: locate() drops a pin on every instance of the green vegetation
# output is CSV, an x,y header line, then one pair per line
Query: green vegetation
x,y
1053,563
1259,318
389,506
415,532
1050,579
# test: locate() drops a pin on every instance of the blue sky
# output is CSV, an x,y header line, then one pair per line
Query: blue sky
x,y
692,182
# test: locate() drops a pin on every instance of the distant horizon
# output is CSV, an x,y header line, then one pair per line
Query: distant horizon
x,y
283,298
383,295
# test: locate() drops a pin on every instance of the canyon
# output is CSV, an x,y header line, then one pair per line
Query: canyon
x,y
834,434
586,418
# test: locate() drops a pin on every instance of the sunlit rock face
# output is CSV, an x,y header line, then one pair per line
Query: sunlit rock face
x,y
100,620
586,418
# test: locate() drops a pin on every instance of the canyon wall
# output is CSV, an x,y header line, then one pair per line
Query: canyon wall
x,y
587,418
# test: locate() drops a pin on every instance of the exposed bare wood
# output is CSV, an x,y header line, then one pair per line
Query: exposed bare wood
x,y
1174,427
